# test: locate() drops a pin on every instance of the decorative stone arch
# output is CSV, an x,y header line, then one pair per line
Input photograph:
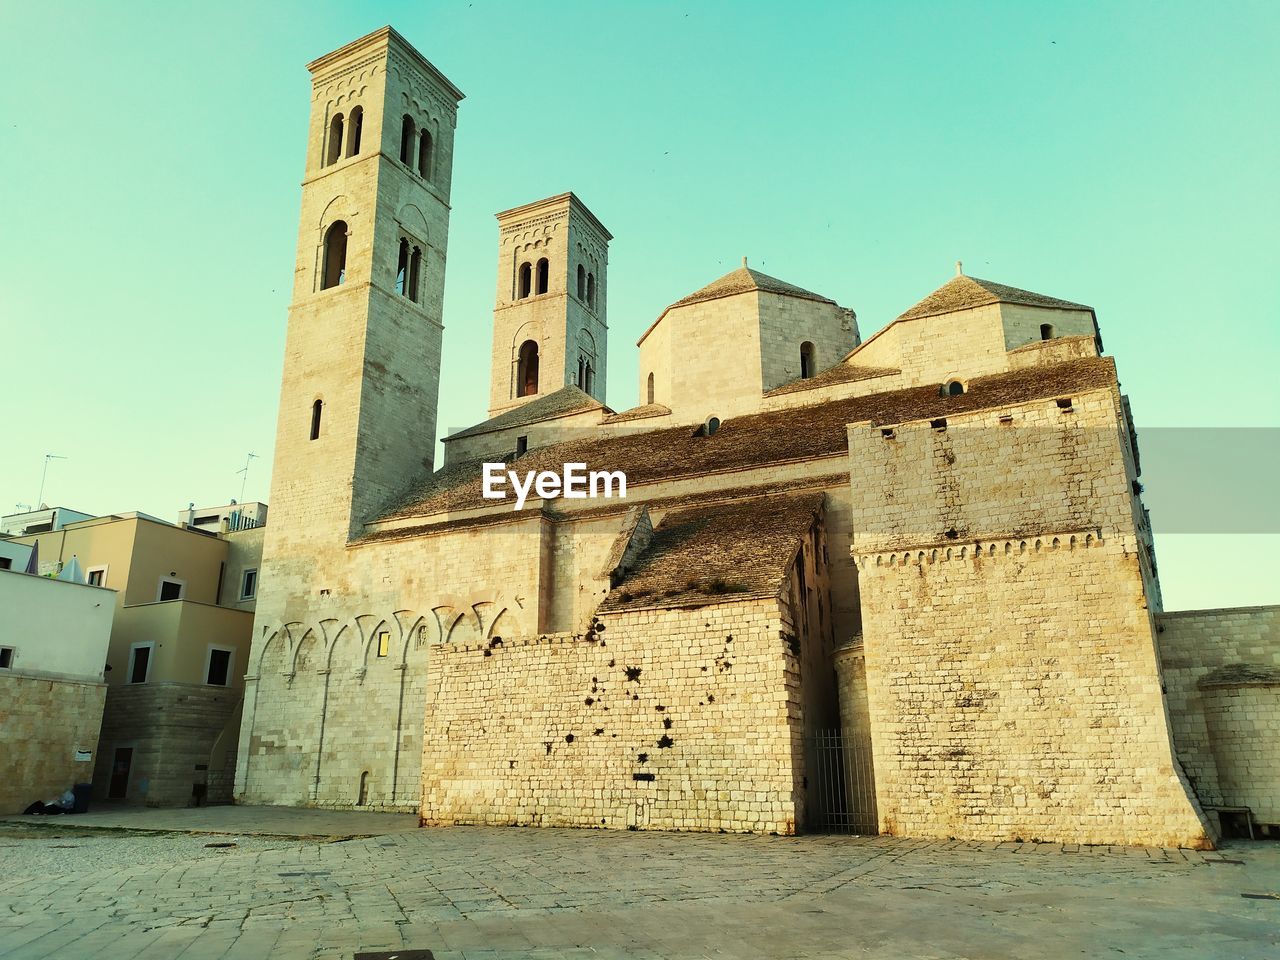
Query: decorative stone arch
x,y
414,222
314,637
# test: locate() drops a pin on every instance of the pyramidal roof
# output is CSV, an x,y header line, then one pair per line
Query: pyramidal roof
x,y
742,280
745,280
963,292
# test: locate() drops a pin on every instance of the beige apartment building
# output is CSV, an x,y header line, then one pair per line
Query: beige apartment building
x,y
175,662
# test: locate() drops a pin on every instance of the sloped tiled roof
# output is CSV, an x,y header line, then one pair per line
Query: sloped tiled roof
x,y
568,399
643,412
716,553
742,280
964,293
745,280
840,373
757,440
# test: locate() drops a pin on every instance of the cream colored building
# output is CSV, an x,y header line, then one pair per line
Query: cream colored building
x,y
178,649
53,647
928,548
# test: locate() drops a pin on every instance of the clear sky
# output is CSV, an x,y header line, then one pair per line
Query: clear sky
x,y
1120,154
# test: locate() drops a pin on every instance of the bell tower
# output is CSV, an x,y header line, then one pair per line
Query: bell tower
x,y
362,355
549,317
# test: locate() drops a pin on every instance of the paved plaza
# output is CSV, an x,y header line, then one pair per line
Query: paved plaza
x,y
240,883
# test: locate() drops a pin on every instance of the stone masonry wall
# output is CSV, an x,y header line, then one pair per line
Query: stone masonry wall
x,y
1193,644
656,719
1013,681
172,728
43,722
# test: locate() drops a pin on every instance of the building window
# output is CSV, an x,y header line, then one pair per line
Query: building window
x,y
522,446
6,658
406,141
526,280
335,140
415,267
96,576
1046,331
806,360
335,256
6,563
316,409
140,662
249,585
952,388
402,268
544,274
650,390
170,589
384,643
217,671
527,369
591,290
426,155
582,283
353,131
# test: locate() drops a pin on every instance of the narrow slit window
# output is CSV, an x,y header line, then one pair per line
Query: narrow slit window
x,y
406,141
582,283
354,127
591,290
806,360
425,155
335,256
334,153
649,392
316,409
526,280
402,268
544,274
415,268
527,369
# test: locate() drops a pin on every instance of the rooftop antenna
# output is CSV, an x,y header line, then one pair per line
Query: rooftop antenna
x,y
959,268
43,474
245,472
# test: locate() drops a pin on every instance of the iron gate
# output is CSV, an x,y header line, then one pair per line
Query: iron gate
x,y
841,796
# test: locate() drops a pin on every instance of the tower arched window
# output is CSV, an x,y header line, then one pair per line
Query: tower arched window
x,y
807,368
544,274
591,290
334,152
415,268
526,280
355,124
649,392
406,140
582,283
335,255
316,409
425,155
402,268
527,369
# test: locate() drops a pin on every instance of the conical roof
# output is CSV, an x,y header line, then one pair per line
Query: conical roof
x,y
745,280
964,293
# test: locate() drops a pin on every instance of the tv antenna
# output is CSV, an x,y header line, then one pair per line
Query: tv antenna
x,y
244,471
43,474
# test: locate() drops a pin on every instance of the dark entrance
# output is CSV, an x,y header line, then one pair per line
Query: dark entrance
x,y
841,795
120,773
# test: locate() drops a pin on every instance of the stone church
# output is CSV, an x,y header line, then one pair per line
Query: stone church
x,y
929,545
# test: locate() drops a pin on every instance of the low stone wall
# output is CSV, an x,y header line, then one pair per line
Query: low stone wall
x,y
43,723
654,719
1225,717
172,729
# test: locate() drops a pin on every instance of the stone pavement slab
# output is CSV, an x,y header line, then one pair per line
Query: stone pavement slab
x,y
473,893
241,820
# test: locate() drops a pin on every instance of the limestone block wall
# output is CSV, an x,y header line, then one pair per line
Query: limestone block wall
x,y
787,322
172,728
1014,693
44,724
1194,644
1244,725
966,343
655,719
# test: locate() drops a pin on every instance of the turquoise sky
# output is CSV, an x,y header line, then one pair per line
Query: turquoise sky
x,y
1120,154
